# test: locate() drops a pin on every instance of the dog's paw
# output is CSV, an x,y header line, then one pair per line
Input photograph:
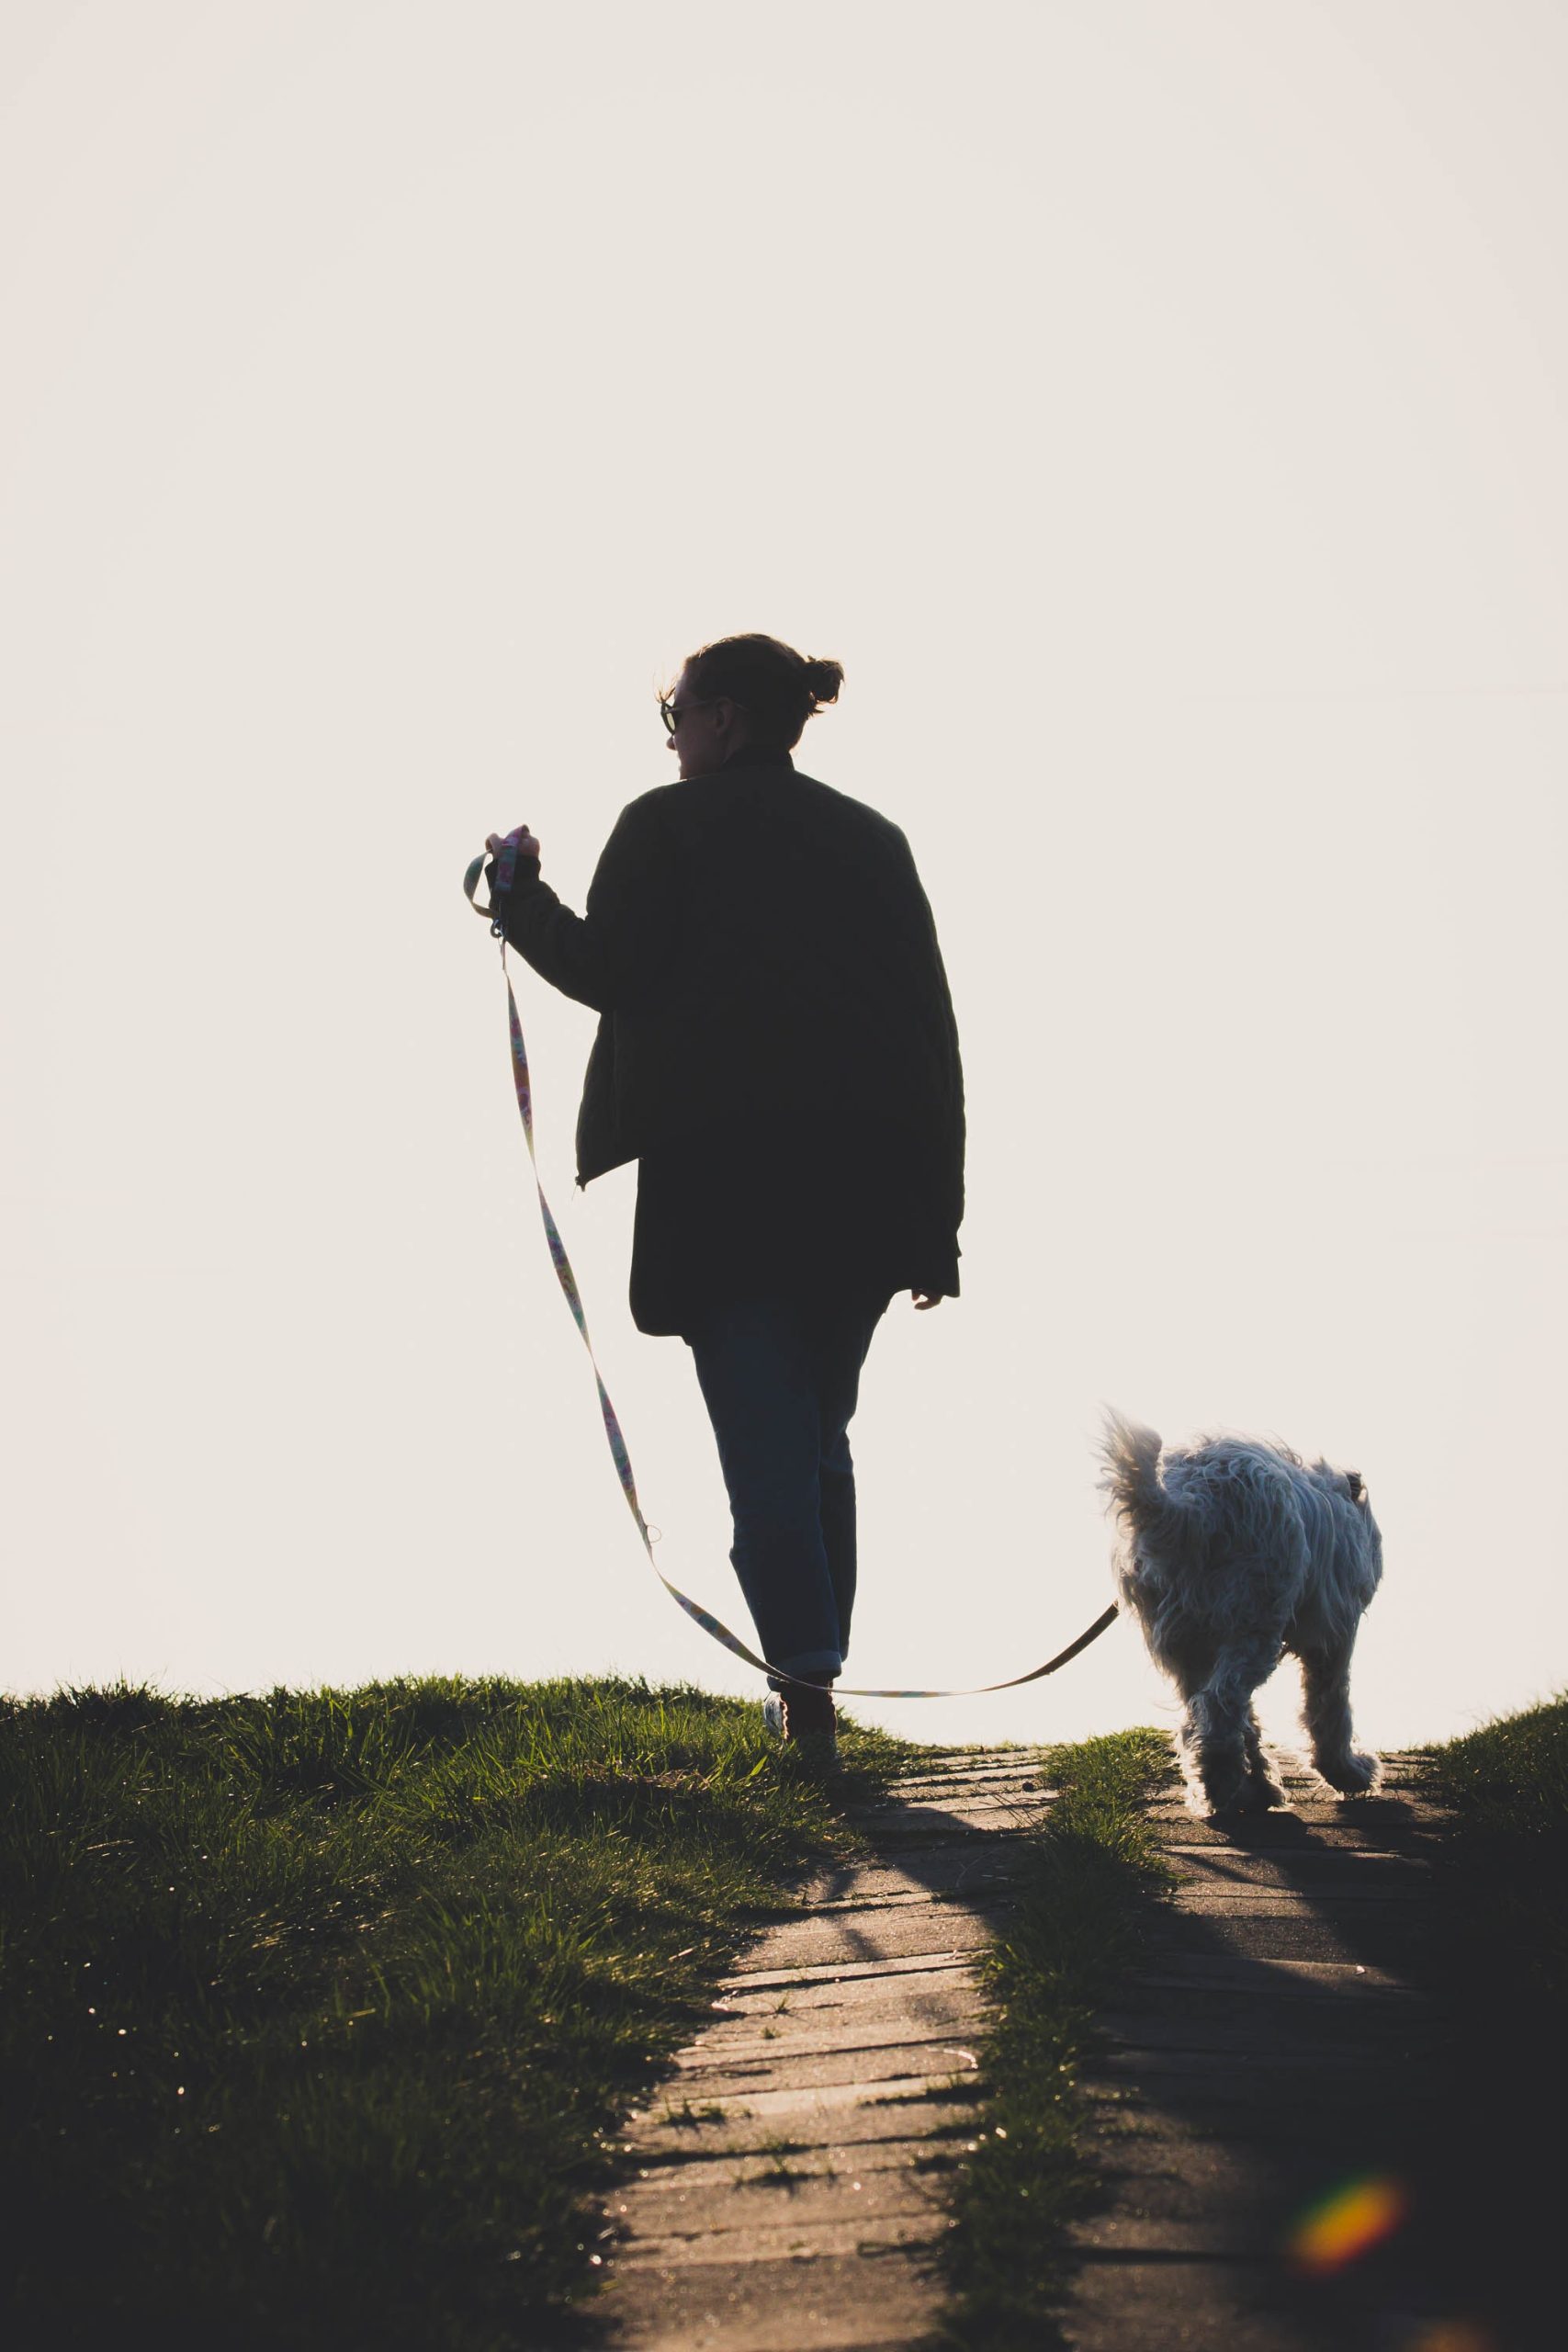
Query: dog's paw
x,y
1352,1775
1261,1795
1223,1793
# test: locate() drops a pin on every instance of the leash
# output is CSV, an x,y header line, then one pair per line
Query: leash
x,y
506,865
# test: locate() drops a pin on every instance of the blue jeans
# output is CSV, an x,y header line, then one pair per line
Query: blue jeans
x,y
780,1379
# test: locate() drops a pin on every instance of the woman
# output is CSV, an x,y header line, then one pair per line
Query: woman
x,y
777,1051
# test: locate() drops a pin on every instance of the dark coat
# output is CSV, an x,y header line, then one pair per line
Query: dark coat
x,y
772,995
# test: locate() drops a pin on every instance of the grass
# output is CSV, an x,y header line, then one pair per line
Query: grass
x,y
1508,1786
1504,1961
318,2011
1082,1908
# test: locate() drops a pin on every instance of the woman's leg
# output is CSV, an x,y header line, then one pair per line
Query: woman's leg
x,y
759,1371
842,1344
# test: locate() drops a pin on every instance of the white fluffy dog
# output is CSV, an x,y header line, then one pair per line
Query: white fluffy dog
x,y
1235,1553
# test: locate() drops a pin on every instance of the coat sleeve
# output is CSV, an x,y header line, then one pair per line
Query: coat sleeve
x,y
617,945
949,1089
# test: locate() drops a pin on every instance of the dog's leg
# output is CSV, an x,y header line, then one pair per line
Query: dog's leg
x,y
1189,1661
1220,1717
1325,1712
1263,1791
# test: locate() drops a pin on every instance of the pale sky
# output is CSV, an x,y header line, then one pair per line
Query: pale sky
x,y
1159,410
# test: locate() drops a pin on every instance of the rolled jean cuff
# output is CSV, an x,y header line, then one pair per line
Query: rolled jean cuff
x,y
810,1663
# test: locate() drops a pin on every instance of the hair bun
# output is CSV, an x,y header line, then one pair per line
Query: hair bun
x,y
777,687
822,680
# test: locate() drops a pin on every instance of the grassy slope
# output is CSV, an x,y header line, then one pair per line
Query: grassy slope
x,y
317,2011
1093,1878
1505,1961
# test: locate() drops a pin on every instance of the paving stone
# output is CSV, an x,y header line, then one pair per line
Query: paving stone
x,y
1291,1832
754,1984
878,2161
723,2077
1375,1815
836,2302
1161,2305
839,2116
1359,1871
1383,1938
811,2033
939,1994
918,1874
867,1936
967,1787
1203,2079
1007,1813
826,2053
793,2193
1236,1973
1283,2028
1158,2167
1243,1901
768,2235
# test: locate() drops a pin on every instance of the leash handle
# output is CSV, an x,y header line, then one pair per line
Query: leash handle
x,y
506,874
710,1624
472,880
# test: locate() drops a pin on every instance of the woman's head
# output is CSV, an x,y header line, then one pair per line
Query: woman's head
x,y
741,691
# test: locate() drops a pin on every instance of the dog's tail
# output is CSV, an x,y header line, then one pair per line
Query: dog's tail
x,y
1130,1476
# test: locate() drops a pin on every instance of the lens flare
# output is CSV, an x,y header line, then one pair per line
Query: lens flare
x,y
1347,2223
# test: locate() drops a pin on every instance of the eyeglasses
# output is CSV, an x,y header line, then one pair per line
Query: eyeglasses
x,y
670,712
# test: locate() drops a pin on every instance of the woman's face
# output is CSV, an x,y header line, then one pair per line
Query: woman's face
x,y
705,733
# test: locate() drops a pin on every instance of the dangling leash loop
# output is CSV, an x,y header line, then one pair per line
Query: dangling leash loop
x,y
505,866
505,869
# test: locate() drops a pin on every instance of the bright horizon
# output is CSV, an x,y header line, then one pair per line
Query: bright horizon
x,y
1159,413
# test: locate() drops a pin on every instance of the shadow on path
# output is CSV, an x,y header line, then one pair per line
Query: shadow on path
x,y
1270,2099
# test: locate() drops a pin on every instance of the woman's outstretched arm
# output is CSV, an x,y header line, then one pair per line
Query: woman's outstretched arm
x,y
626,929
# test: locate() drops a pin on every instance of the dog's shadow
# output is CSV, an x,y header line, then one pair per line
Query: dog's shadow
x,y
1387,1822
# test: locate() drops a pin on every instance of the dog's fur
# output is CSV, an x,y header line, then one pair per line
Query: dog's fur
x,y
1236,1553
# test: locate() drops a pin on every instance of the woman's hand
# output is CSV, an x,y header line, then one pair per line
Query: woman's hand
x,y
505,849
526,846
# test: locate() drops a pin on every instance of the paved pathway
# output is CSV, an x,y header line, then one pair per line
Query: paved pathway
x,y
782,2198
1270,2052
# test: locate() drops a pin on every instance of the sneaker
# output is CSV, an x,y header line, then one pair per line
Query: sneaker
x,y
804,1715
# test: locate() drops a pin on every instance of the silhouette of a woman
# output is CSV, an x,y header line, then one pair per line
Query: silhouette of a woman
x,y
777,1051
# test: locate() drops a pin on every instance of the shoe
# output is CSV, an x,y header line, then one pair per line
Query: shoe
x,y
804,1715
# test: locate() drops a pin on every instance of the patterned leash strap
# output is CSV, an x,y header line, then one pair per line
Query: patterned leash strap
x,y
505,867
